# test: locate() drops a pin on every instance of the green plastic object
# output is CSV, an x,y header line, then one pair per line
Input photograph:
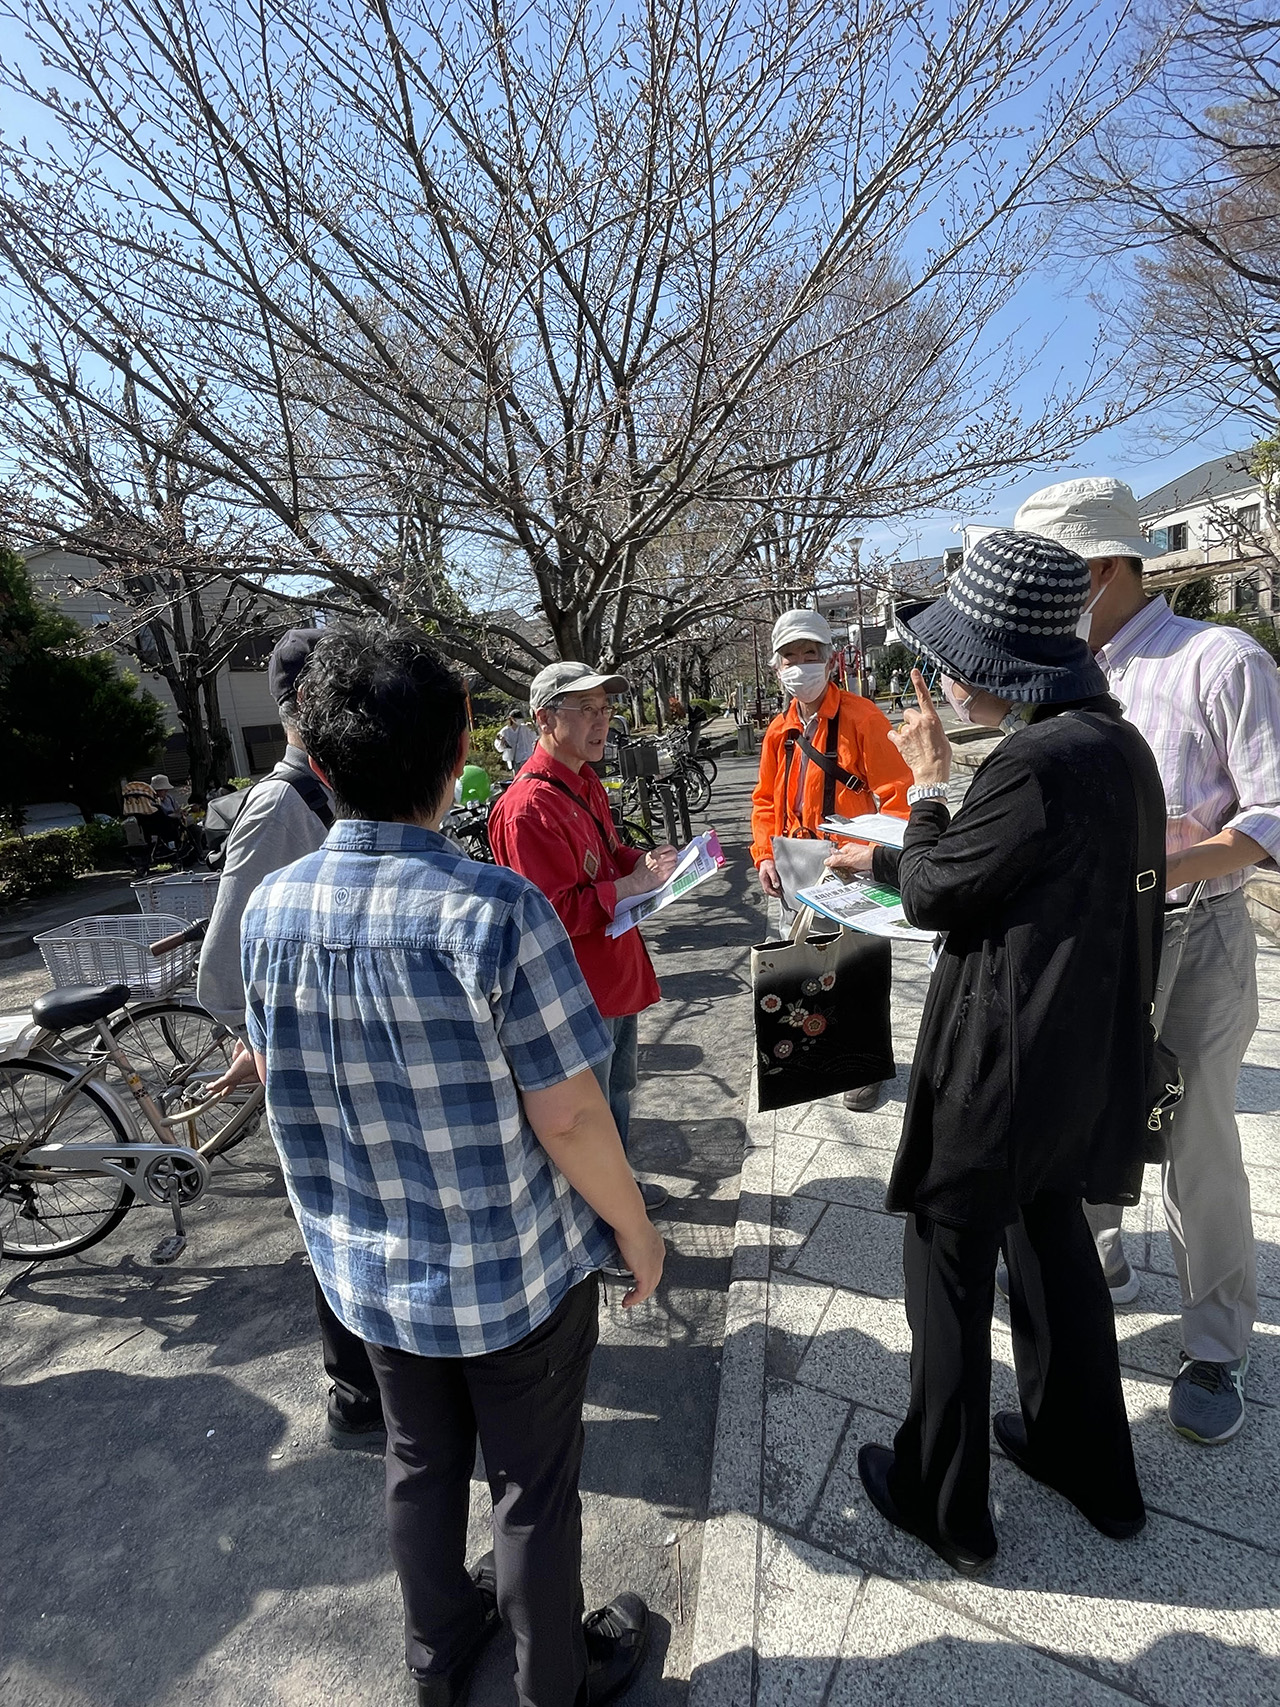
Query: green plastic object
x,y
473,784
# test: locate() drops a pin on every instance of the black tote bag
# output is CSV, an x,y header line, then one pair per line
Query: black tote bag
x,y
821,1009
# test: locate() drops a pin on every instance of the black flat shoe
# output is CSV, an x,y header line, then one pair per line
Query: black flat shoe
x,y
874,1465
449,1688
360,1431
616,1637
1011,1437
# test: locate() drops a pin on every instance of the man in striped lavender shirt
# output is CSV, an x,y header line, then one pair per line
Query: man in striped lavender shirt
x,y
1207,699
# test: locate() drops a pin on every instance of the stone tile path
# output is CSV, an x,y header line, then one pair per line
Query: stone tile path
x,y
809,1597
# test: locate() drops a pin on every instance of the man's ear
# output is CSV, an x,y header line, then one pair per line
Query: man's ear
x,y
464,749
318,772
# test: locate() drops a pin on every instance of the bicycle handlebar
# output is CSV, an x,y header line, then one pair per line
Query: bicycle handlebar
x,y
193,933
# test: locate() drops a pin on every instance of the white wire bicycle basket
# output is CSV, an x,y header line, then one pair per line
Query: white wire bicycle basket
x,y
115,949
185,895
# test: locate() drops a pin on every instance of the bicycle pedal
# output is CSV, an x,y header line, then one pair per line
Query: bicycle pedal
x,y
170,1248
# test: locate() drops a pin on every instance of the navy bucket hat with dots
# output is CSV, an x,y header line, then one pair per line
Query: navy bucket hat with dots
x,y
1007,621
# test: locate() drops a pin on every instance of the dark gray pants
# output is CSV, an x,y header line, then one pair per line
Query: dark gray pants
x,y
525,1404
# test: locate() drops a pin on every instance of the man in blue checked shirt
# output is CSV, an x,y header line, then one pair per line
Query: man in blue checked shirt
x,y
428,1046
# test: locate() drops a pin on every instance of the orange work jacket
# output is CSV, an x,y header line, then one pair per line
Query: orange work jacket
x,y
863,748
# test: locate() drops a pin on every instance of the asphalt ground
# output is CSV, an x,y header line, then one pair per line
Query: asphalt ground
x,y
176,1528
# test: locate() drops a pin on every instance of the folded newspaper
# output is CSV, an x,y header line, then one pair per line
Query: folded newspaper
x,y
699,859
862,906
880,827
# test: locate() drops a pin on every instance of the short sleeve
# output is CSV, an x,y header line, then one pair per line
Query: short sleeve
x,y
547,1021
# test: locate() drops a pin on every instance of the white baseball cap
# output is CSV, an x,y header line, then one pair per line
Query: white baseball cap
x,y
800,625
570,677
1097,517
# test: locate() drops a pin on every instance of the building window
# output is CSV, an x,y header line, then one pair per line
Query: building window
x,y
1247,520
1176,536
264,743
1246,591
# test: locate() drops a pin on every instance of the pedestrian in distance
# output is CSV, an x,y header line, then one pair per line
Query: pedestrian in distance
x,y
555,826
515,740
1207,699
428,1047
828,752
1030,1085
283,817
897,687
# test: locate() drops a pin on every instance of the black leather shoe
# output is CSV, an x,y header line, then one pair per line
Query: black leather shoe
x,y
448,1688
360,1430
1010,1431
864,1099
617,1636
874,1465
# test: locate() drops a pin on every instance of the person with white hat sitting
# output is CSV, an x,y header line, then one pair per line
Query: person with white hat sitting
x,y
1207,699
828,751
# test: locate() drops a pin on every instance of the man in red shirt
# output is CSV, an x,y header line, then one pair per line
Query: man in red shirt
x,y
554,826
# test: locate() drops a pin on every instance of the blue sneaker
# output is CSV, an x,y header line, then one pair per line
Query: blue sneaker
x,y
1206,1402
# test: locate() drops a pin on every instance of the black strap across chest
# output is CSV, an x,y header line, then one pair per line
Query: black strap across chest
x,y
606,836
832,774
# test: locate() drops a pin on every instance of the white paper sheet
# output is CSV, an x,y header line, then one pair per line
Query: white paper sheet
x,y
700,859
878,827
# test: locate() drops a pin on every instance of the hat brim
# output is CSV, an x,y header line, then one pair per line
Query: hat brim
x,y
1041,669
1087,546
584,684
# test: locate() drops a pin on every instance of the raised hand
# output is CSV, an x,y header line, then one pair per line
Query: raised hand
x,y
921,739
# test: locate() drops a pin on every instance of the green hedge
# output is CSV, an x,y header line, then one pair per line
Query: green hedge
x,y
32,865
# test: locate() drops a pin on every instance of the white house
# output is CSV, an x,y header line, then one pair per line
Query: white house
x,y
1212,521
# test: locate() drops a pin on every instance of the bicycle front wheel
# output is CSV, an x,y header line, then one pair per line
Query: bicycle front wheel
x,y
45,1212
697,786
178,1048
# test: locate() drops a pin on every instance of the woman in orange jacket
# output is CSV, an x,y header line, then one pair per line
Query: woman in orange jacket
x,y
829,751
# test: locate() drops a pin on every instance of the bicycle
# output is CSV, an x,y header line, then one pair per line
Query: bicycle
x,y
72,1156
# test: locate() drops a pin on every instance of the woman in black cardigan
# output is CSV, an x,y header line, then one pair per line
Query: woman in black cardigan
x,y
1029,1090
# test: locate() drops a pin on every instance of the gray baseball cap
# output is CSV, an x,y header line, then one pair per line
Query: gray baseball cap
x,y
568,677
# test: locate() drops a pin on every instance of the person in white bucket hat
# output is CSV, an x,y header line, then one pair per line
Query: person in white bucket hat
x,y
1207,700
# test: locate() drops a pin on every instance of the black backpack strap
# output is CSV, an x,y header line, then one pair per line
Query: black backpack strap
x,y
827,762
608,837
312,790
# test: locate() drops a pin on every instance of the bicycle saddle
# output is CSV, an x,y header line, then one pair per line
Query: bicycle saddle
x,y
79,1005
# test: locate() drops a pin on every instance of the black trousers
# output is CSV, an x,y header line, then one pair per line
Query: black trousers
x,y
525,1404
1064,1350
346,1360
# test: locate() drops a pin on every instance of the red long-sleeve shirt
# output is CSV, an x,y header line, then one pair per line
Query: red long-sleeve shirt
x,y
568,847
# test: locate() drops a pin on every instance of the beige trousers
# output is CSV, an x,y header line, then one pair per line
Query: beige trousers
x,y
1206,1011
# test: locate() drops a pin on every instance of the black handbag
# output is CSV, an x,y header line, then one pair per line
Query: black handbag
x,y
821,1010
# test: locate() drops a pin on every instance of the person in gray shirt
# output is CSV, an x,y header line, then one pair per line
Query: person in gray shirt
x,y
285,817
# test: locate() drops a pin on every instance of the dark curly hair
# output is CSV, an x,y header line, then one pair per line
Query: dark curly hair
x,y
382,714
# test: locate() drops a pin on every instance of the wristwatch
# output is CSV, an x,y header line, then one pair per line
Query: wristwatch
x,y
926,791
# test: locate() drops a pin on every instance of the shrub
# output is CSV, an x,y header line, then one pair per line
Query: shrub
x,y
483,752
712,707
30,865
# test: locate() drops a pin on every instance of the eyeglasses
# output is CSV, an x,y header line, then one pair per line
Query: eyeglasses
x,y
593,713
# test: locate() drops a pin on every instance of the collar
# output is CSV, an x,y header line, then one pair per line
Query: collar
x,y
378,836
827,707
1128,640
542,763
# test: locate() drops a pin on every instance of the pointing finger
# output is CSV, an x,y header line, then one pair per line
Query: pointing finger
x,y
924,698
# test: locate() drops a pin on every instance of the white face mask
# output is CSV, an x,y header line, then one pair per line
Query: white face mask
x,y
963,708
805,682
1085,625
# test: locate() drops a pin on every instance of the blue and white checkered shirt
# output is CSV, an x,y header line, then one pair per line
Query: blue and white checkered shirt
x,y
403,995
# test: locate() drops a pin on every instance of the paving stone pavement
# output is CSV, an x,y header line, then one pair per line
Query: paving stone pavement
x,y
809,1597
175,1529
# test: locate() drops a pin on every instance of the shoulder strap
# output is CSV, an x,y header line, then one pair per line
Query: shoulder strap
x,y
610,841
827,763
312,791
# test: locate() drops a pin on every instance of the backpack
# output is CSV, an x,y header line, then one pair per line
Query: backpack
x,y
222,813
